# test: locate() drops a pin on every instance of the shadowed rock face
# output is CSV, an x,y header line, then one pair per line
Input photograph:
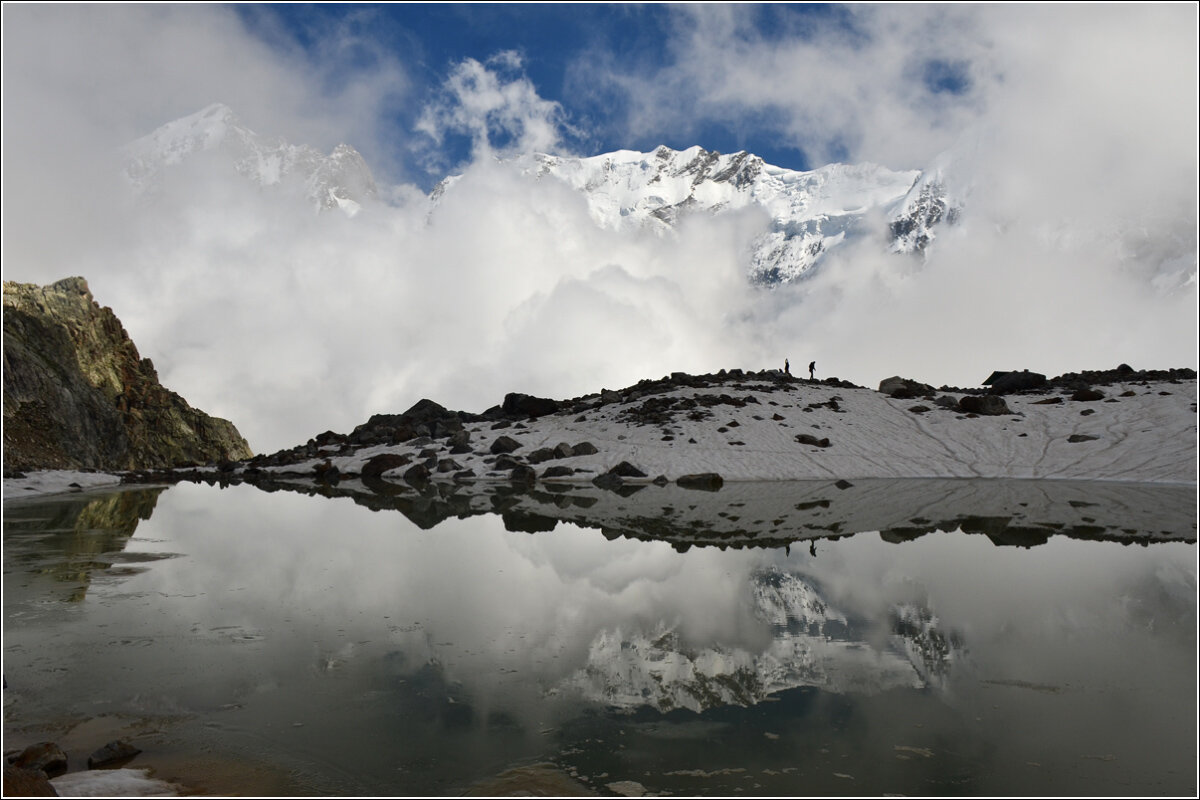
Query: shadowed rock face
x,y
78,396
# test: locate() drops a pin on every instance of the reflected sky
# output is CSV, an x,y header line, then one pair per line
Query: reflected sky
x,y
368,655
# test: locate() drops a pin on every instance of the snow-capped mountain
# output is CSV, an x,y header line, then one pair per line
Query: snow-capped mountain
x,y
814,644
810,212
338,180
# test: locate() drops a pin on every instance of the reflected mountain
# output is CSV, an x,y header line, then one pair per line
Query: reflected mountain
x,y
813,645
760,514
68,540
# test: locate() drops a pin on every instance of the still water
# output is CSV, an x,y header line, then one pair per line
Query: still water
x,y
260,643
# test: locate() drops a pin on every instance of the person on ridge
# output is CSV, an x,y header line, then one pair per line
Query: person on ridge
x,y
787,368
812,368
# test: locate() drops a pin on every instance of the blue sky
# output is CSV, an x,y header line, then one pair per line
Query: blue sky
x,y
589,59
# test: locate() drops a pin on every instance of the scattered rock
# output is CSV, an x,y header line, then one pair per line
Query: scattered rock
x,y
843,484
804,438
558,472
504,444
1075,438
989,405
919,409
377,465
1087,395
626,470
45,756
705,481
417,474
1049,401
112,754
524,405
585,449
1010,382
904,388
20,782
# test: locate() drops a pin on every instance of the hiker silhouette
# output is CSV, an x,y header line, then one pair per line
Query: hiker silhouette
x,y
787,368
812,368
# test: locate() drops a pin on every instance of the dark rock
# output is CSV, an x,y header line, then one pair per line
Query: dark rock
x,y
20,782
626,470
525,405
1009,382
45,756
417,474
1087,412
843,484
608,481
1076,438
989,405
505,461
112,754
540,455
585,449
919,409
563,450
448,465
804,438
1049,401
705,481
522,473
558,472
904,388
504,444
377,465
661,480
946,401
526,522
1087,395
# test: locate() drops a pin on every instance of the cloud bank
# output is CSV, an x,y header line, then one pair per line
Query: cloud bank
x,y
1069,134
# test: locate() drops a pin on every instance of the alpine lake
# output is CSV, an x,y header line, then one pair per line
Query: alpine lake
x,y
921,637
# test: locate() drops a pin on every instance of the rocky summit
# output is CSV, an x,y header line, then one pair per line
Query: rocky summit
x,y
77,395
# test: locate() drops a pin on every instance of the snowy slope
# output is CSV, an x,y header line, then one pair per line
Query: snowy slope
x,y
338,180
1142,431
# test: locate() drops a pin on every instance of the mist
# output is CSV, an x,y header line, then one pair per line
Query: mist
x,y
1071,142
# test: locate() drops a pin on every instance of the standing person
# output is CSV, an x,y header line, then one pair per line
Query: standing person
x,y
812,368
787,368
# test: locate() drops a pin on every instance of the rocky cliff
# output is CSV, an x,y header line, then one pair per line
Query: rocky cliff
x,y
78,396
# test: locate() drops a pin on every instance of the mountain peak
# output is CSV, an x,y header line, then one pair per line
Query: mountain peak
x,y
339,180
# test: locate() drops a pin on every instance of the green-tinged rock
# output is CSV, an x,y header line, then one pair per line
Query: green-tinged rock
x,y
77,395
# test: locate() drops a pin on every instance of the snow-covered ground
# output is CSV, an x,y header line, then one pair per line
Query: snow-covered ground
x,y
55,481
1139,432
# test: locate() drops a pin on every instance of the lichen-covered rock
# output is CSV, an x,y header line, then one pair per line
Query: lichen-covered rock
x,y
77,395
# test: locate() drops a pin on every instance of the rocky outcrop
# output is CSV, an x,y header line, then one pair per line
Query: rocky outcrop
x,y
78,396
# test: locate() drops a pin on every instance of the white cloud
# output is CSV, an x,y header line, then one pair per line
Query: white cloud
x,y
497,107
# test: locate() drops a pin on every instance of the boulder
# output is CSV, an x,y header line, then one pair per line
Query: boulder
x,y
704,481
47,757
804,438
20,782
626,470
377,465
585,449
1087,395
1010,382
524,405
985,405
904,388
504,444
113,753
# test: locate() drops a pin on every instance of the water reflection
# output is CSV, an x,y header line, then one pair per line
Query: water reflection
x,y
366,655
